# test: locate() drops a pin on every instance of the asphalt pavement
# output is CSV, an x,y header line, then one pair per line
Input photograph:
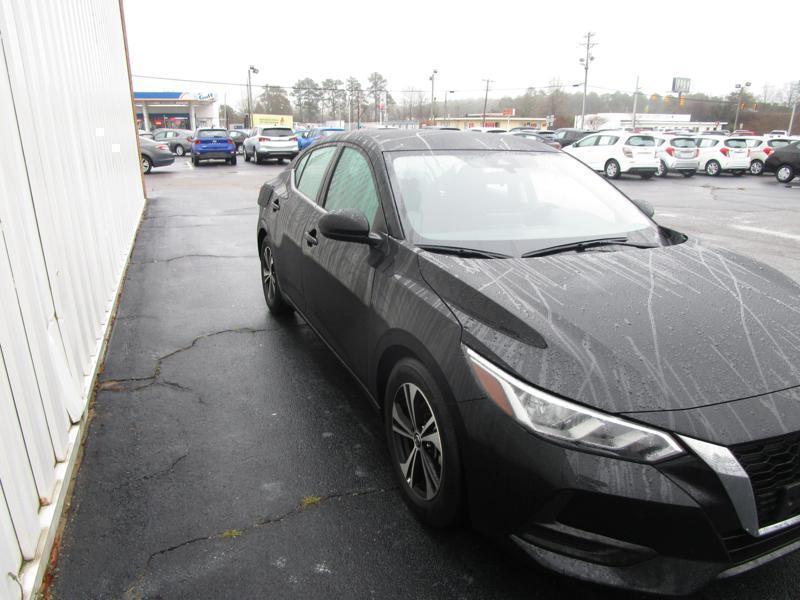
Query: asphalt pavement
x,y
230,455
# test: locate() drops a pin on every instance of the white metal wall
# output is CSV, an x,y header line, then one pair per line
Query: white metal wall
x,y
70,201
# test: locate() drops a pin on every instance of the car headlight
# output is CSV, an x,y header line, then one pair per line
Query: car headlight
x,y
569,423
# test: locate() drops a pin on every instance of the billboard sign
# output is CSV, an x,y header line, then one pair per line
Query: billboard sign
x,y
681,85
262,120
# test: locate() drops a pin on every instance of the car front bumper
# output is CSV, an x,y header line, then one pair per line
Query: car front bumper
x,y
668,528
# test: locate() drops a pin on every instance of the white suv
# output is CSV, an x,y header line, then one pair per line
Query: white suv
x,y
761,148
676,154
618,152
270,142
723,155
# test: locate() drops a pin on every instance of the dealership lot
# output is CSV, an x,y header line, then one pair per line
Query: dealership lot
x,y
230,454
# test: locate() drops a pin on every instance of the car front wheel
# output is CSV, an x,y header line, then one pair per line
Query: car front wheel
x,y
612,169
785,173
423,445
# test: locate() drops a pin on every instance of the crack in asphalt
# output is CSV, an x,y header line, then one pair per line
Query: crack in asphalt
x,y
298,509
166,260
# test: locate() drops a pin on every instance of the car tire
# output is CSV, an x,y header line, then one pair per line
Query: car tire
x,y
147,164
417,461
612,169
195,161
688,173
713,168
256,158
647,175
273,296
180,150
246,155
662,169
232,160
756,167
784,173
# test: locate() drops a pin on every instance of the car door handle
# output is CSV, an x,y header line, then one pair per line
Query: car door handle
x,y
276,205
311,237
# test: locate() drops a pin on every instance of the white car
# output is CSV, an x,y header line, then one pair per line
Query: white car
x,y
761,148
618,152
488,129
270,142
777,133
723,155
676,154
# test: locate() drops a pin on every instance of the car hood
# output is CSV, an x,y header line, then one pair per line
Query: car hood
x,y
669,328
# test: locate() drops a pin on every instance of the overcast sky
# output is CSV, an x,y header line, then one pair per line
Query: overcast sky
x,y
516,44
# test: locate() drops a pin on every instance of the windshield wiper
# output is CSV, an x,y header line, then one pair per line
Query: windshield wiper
x,y
458,251
581,246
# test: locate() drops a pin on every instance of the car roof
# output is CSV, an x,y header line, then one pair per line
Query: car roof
x,y
392,140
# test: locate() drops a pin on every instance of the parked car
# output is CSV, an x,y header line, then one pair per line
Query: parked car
x,y
238,136
317,134
743,132
212,143
533,135
722,155
270,142
178,140
784,162
676,154
567,136
761,148
154,154
720,132
618,152
777,133
488,129
145,134
541,353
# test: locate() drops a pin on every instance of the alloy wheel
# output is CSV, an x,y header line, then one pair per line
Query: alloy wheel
x,y
756,167
268,273
417,442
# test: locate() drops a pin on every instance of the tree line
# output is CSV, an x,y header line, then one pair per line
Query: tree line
x,y
348,100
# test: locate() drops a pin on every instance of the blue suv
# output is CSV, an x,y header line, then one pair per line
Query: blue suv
x,y
314,135
213,144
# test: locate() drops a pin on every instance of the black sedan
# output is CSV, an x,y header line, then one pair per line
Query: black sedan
x,y
784,162
619,401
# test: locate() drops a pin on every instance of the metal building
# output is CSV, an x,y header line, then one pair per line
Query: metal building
x,y
71,198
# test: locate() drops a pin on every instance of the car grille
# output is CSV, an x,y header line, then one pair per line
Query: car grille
x,y
771,465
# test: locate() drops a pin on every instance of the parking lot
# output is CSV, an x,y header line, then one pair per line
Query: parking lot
x,y
230,454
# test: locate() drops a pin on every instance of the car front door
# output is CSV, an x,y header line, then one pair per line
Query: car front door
x,y
290,216
585,150
337,275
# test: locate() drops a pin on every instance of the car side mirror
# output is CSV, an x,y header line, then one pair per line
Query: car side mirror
x,y
265,194
348,225
645,207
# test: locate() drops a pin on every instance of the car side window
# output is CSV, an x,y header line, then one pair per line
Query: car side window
x,y
352,185
607,140
314,171
589,141
159,136
298,170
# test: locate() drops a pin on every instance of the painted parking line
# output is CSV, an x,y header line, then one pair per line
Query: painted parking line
x,y
780,234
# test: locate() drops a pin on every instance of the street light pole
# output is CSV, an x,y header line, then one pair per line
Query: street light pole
x,y
485,100
433,98
739,87
253,70
635,100
447,114
585,62
793,101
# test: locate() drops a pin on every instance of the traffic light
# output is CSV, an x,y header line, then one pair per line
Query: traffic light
x,y
682,101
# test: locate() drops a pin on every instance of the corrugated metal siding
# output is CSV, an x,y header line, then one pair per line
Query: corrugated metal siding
x,y
70,201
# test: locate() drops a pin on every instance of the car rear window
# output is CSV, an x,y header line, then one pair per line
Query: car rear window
x,y
683,142
641,140
778,143
736,143
212,133
277,132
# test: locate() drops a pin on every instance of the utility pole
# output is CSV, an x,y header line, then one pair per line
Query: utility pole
x,y
585,62
739,87
433,98
447,114
635,100
793,100
485,100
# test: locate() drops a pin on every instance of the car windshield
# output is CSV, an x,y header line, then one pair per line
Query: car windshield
x,y
212,133
277,132
508,202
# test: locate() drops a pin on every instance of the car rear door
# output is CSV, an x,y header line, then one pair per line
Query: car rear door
x,y
337,275
290,218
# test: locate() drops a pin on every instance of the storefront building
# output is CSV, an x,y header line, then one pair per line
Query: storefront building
x,y
175,110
